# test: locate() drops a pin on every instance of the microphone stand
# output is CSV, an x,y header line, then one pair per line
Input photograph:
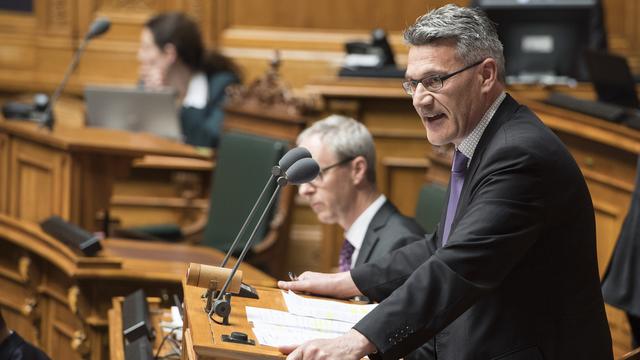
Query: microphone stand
x,y
222,304
275,171
245,290
47,117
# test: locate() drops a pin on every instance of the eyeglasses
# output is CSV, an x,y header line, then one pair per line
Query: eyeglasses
x,y
323,172
433,83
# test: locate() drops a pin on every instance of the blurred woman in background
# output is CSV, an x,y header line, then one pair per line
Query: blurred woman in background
x,y
172,54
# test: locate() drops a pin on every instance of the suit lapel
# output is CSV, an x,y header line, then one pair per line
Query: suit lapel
x,y
504,112
371,237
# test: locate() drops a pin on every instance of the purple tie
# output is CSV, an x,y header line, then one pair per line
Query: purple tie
x,y
457,179
346,253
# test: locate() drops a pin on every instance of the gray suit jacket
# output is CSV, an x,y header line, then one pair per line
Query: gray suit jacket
x,y
518,278
388,230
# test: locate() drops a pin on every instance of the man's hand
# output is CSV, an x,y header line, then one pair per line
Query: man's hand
x,y
338,285
351,345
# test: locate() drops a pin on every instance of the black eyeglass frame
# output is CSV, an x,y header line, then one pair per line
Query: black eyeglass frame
x,y
409,86
322,172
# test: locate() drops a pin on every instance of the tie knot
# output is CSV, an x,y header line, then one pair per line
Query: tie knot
x,y
346,253
459,162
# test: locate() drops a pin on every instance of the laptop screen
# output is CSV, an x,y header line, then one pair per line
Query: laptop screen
x,y
133,109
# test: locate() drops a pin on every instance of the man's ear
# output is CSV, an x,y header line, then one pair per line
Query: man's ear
x,y
359,168
489,74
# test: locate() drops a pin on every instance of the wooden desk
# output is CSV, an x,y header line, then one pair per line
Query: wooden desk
x,y
69,171
201,339
59,300
162,190
116,339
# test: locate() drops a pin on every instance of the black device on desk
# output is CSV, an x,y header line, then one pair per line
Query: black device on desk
x,y
615,86
371,59
612,78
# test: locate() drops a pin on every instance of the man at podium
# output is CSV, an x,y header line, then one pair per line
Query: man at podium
x,y
511,271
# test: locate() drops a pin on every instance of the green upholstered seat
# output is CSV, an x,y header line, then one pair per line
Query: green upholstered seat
x,y
430,205
243,165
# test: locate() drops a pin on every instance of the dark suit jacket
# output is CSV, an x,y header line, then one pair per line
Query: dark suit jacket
x,y
388,230
518,278
15,348
620,286
202,127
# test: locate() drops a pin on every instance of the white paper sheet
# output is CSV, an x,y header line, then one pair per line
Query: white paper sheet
x,y
325,309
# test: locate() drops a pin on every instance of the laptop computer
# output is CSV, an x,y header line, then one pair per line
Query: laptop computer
x,y
612,78
133,109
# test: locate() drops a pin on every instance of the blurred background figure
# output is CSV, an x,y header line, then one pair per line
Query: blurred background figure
x,y
172,54
13,347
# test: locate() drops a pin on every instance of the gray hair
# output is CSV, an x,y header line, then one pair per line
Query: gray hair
x,y
346,138
475,35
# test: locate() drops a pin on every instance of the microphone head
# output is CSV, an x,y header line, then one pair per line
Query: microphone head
x,y
302,171
98,27
291,157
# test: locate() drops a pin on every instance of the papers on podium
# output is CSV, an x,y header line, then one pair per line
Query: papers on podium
x,y
306,319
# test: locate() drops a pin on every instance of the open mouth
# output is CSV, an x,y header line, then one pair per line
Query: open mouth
x,y
434,117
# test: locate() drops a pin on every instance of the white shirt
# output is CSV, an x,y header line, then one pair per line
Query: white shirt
x,y
197,92
469,144
355,233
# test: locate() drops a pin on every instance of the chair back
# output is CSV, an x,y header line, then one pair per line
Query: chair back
x,y
429,207
243,165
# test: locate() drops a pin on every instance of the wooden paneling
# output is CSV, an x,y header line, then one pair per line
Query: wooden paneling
x,y
38,177
70,172
36,48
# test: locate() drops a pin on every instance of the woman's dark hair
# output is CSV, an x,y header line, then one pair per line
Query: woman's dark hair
x,y
2,323
182,32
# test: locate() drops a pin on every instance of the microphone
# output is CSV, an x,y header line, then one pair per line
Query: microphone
x,y
287,160
97,28
303,170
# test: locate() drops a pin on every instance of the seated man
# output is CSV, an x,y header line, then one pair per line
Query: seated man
x,y
345,192
13,347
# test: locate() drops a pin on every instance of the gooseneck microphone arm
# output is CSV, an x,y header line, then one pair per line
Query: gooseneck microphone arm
x,y
302,171
244,226
98,27
47,115
247,246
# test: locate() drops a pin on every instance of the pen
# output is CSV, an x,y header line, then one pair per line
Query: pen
x,y
293,276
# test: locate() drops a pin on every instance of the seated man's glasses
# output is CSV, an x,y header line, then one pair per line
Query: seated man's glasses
x,y
323,172
433,83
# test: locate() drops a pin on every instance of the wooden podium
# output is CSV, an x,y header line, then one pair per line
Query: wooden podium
x,y
59,300
202,337
69,171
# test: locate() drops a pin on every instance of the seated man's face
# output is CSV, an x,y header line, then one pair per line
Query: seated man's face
x,y
330,194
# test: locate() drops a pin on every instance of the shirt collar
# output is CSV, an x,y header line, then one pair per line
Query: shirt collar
x,y
197,92
355,234
469,144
